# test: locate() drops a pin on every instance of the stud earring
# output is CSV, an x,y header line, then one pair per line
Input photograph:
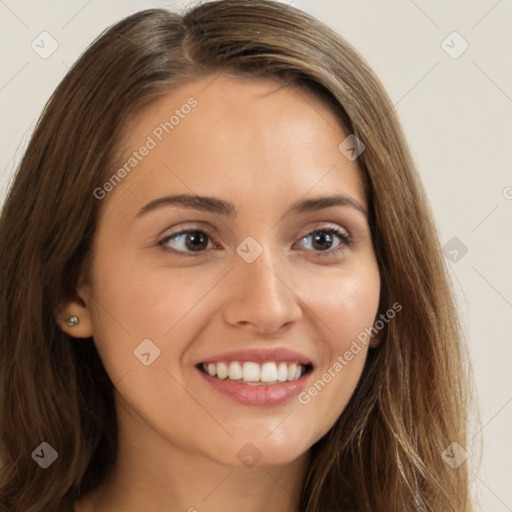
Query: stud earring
x,y
72,320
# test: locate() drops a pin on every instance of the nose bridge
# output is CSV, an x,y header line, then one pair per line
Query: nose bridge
x,y
258,292
258,268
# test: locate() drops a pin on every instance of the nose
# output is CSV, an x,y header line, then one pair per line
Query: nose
x,y
261,296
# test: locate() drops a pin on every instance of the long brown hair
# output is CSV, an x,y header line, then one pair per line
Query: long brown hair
x,y
384,452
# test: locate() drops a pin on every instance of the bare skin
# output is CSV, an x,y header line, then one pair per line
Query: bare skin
x,y
261,147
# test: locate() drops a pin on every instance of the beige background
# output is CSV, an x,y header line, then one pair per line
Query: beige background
x,y
457,115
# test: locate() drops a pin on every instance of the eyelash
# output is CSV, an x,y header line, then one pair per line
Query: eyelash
x,y
346,241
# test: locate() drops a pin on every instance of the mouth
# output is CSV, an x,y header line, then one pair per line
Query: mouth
x,y
261,378
269,373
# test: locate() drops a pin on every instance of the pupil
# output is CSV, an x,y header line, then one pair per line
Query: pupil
x,y
320,240
196,241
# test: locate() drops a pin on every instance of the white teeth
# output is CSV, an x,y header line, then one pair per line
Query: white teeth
x,y
235,370
268,372
253,373
222,370
282,372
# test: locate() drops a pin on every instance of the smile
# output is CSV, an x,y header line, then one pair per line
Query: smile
x,y
258,374
261,377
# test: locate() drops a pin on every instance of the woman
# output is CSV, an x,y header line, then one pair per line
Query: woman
x,y
222,288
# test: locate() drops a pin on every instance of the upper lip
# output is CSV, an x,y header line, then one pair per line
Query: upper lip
x,y
260,355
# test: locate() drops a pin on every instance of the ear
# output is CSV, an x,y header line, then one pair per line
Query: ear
x,y
380,331
376,338
374,342
77,306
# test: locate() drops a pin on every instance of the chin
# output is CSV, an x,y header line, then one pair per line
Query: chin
x,y
261,453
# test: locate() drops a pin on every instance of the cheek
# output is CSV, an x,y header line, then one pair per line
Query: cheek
x,y
345,302
352,307
346,309
135,300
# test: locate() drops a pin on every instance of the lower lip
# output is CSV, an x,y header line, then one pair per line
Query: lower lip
x,y
260,395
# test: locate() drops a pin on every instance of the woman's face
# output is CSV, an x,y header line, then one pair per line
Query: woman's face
x,y
220,249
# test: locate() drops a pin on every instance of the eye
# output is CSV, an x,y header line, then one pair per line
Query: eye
x,y
329,240
190,240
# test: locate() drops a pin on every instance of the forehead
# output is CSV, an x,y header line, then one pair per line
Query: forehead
x,y
249,139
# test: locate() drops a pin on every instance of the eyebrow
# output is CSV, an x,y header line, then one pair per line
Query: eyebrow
x,y
221,207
